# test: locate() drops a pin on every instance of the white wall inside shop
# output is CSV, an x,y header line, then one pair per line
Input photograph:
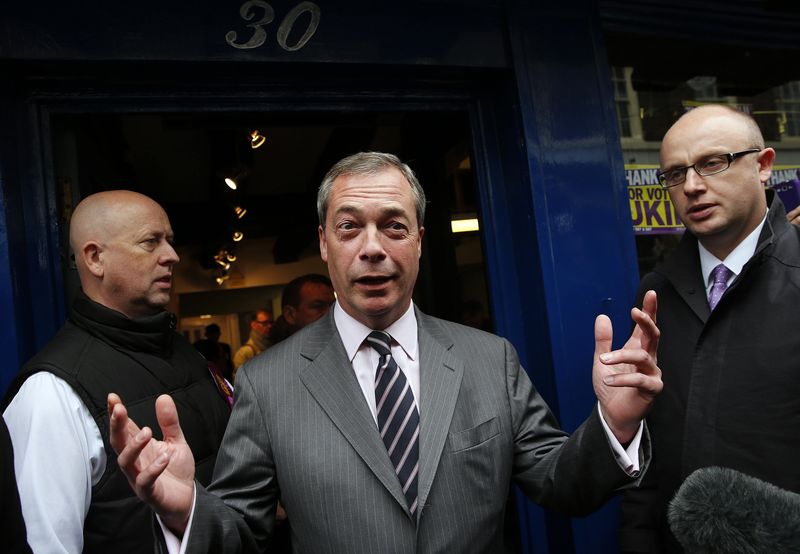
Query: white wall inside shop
x,y
254,268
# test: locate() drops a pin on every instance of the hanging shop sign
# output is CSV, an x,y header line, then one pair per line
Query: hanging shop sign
x,y
785,180
652,211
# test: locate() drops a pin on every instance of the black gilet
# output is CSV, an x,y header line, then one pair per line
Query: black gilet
x,y
99,351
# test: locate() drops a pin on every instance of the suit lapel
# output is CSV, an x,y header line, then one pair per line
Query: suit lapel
x,y
684,272
440,381
330,379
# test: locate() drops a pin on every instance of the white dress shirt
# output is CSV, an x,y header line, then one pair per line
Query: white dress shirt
x,y
364,358
734,261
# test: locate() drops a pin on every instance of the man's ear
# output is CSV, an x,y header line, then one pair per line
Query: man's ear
x,y
91,255
765,160
323,245
290,314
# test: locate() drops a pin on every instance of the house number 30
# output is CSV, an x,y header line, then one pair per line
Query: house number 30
x,y
253,8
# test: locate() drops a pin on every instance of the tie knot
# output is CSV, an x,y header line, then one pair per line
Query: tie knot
x,y
721,274
380,341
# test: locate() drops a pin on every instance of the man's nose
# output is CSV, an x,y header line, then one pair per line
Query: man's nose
x,y
372,247
694,182
169,256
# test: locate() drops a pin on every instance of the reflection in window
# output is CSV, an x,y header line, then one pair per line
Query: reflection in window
x,y
646,108
788,102
628,117
704,88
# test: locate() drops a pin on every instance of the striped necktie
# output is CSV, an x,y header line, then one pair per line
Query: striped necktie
x,y
398,418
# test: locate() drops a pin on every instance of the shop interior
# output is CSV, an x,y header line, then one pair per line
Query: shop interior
x,y
240,192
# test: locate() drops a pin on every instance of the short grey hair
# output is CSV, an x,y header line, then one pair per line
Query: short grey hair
x,y
369,163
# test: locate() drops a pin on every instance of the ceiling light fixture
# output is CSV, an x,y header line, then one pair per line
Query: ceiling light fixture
x,y
239,211
236,175
237,236
256,139
223,259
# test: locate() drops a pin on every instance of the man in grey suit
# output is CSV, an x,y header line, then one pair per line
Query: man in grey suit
x,y
401,441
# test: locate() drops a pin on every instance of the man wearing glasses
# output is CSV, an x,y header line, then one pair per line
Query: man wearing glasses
x,y
257,342
729,299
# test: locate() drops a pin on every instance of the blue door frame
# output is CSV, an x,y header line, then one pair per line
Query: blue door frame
x,y
556,228
578,224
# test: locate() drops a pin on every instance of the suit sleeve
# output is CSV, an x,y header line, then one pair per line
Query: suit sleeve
x,y
237,512
574,474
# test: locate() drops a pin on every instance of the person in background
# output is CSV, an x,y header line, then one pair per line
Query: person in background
x,y
305,299
728,311
212,335
257,342
383,429
118,337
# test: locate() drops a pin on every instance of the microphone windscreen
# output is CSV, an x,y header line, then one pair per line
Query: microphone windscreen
x,y
719,510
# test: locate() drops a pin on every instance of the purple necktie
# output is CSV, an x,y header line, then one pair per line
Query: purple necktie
x,y
720,275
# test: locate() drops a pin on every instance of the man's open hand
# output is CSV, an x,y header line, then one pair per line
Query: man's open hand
x,y
161,473
626,381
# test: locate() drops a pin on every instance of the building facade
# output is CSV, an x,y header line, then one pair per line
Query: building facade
x,y
537,119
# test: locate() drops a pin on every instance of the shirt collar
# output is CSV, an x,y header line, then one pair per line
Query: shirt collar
x,y
353,332
736,259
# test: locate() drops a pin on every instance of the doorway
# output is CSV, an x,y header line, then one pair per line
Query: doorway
x,y
240,188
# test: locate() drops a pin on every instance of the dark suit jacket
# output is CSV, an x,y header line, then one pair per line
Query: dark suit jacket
x,y
302,429
731,378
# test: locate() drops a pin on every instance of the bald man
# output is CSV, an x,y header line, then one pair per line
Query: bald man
x,y
728,314
118,338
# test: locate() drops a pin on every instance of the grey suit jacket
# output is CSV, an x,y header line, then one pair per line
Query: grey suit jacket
x,y
301,429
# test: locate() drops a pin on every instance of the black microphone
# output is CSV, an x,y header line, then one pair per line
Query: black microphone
x,y
720,510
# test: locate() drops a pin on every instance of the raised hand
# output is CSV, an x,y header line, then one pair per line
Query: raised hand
x,y
161,473
627,380
794,216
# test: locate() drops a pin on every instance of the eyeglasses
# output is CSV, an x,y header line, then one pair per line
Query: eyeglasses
x,y
710,165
